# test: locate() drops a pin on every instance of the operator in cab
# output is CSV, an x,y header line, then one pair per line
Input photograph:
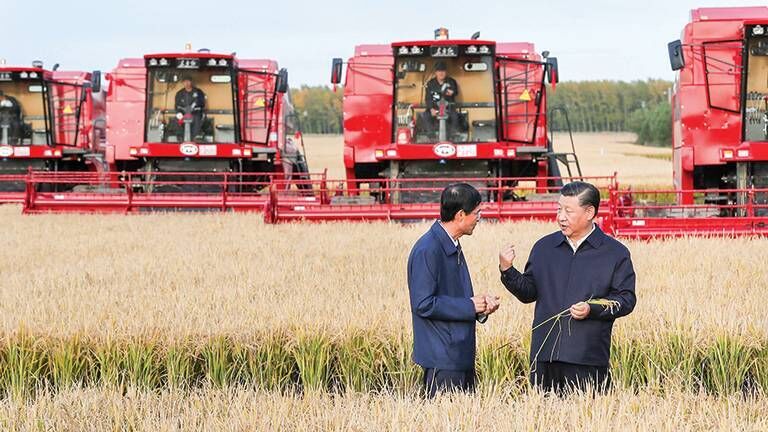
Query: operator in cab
x,y
190,103
440,88
10,119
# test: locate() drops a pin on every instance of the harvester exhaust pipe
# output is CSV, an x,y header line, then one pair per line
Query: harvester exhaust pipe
x,y
4,140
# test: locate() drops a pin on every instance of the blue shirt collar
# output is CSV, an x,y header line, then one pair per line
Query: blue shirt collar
x,y
445,240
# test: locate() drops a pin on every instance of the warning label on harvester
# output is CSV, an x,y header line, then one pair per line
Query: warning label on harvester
x,y
525,95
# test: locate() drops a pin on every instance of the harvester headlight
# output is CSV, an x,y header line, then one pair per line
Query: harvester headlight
x,y
391,153
23,75
415,50
48,153
237,152
403,50
727,154
222,62
212,62
163,62
471,49
133,151
758,30
57,153
511,153
743,153
153,62
33,74
379,153
144,151
484,49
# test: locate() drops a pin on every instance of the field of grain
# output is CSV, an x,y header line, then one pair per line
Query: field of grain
x,y
600,154
246,410
211,322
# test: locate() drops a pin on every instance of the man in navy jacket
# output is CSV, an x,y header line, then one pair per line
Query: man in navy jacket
x,y
443,305
565,270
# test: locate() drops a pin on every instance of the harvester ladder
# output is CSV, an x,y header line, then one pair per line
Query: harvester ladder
x,y
569,159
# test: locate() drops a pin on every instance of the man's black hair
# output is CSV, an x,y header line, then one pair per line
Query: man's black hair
x,y
587,194
455,197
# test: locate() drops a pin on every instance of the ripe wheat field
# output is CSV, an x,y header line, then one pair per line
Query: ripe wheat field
x,y
220,322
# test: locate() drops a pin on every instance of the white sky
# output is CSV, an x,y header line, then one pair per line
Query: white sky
x,y
593,39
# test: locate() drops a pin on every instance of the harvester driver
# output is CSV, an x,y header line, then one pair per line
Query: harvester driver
x,y
440,88
190,103
10,119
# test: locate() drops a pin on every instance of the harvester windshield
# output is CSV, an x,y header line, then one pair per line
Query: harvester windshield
x,y
190,99
37,111
445,93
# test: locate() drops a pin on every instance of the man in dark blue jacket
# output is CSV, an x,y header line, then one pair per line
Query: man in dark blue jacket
x,y
443,304
566,272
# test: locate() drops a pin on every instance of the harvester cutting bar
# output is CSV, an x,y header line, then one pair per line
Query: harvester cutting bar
x,y
386,199
12,188
715,213
131,192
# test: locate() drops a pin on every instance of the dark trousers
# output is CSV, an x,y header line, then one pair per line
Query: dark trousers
x,y
562,378
442,380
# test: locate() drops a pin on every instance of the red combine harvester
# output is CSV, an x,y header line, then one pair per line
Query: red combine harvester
x,y
421,114
198,112
720,132
447,108
188,130
50,121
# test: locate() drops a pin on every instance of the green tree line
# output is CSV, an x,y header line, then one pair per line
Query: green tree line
x,y
641,107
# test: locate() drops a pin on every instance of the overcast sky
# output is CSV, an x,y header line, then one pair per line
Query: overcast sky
x,y
593,39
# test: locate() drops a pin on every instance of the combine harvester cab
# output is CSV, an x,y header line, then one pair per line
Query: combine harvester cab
x,y
50,121
192,130
719,132
409,131
493,125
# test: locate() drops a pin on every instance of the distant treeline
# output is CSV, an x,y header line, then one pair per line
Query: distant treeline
x,y
641,107
318,109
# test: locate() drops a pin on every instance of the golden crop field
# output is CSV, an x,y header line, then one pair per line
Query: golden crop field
x,y
221,322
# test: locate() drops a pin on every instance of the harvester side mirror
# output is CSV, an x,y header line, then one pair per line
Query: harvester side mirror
x,y
676,59
553,74
96,81
282,81
336,71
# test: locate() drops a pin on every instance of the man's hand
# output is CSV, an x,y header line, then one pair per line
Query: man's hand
x,y
506,257
580,310
492,302
480,304
433,111
449,92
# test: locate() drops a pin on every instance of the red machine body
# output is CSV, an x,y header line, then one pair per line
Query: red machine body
x,y
60,123
245,123
720,101
49,121
500,107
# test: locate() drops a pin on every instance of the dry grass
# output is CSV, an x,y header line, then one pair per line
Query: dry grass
x,y
181,275
599,153
192,277
241,410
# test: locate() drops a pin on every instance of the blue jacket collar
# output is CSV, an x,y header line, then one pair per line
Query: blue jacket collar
x,y
595,239
443,238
